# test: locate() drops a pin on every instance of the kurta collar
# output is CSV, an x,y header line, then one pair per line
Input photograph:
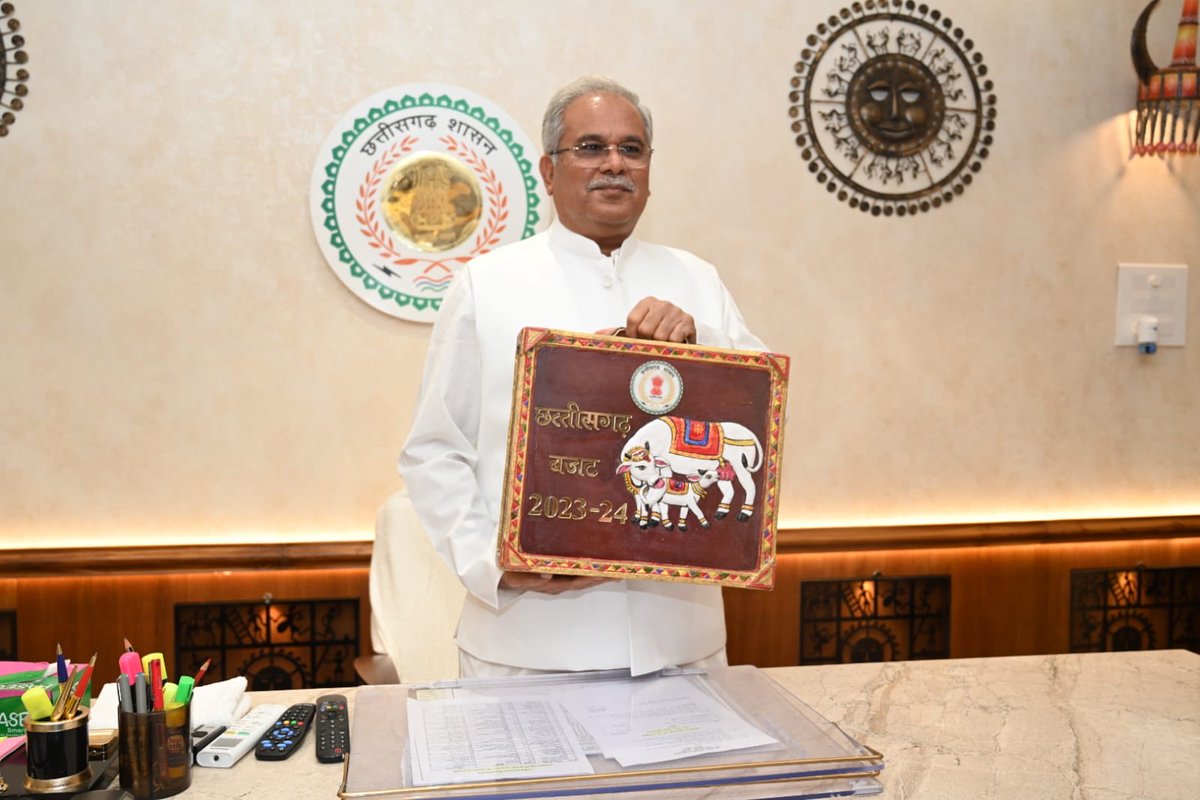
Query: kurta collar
x,y
566,239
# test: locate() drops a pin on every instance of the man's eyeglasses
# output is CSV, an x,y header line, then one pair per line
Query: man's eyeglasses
x,y
592,154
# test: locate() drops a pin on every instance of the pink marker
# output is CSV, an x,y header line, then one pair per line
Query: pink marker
x,y
131,664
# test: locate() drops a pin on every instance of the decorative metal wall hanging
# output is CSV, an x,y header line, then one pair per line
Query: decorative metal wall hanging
x,y
13,74
1168,105
1135,608
874,619
891,107
289,644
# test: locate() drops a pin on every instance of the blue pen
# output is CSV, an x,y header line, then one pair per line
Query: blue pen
x,y
62,665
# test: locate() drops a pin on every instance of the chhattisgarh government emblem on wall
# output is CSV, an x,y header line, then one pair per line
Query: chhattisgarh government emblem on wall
x,y
414,182
891,107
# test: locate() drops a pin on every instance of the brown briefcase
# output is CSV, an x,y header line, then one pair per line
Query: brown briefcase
x,y
630,458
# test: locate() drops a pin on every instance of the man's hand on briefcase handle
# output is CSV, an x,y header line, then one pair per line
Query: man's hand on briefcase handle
x,y
661,321
547,584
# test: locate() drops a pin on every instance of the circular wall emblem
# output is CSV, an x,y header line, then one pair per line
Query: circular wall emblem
x,y
414,182
891,108
13,74
656,387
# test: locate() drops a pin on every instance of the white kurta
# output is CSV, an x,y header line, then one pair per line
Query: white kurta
x,y
453,461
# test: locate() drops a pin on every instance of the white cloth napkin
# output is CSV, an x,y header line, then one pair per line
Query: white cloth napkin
x,y
212,704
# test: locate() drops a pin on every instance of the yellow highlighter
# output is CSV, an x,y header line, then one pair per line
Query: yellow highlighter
x,y
37,703
149,658
170,692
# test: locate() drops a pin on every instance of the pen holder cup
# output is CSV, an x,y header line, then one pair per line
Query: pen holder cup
x,y
56,758
156,752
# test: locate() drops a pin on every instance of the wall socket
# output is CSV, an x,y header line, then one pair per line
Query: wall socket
x,y
1157,290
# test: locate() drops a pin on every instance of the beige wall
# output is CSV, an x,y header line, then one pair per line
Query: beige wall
x,y
178,363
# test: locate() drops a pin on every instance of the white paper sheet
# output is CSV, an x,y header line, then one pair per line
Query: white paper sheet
x,y
487,739
646,722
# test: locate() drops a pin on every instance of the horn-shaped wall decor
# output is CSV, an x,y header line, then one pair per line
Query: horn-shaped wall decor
x,y
1168,107
12,74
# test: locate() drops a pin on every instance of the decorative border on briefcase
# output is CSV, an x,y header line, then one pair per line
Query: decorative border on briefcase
x,y
607,539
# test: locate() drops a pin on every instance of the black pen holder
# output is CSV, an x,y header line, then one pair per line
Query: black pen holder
x,y
156,752
56,754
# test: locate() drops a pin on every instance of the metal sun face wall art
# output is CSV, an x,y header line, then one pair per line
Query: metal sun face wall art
x,y
891,107
13,74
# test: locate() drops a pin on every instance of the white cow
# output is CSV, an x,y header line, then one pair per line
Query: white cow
x,y
642,471
730,448
685,494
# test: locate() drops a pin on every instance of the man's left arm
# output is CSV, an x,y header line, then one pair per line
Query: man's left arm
x,y
733,333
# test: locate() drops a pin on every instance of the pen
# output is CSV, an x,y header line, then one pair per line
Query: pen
x,y
123,694
139,693
60,704
62,665
156,687
80,689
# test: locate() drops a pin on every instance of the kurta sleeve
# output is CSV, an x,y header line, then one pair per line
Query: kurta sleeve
x,y
440,457
733,333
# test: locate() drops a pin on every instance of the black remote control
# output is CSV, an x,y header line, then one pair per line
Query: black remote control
x,y
333,728
284,737
204,735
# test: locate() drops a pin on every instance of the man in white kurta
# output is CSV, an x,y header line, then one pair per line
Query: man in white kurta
x,y
586,273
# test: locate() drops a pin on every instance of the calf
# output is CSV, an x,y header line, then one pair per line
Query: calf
x,y
685,494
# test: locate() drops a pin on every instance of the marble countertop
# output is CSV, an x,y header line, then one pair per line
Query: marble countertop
x,y
1097,726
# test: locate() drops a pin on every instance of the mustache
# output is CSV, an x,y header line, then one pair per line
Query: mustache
x,y
611,182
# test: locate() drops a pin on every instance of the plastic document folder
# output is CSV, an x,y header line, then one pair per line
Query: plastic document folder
x,y
808,756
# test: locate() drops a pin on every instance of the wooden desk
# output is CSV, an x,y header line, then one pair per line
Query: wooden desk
x,y
1084,727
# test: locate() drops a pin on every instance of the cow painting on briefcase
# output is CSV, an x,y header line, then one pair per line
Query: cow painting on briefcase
x,y
640,459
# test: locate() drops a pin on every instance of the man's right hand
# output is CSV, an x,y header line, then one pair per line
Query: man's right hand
x,y
547,584
660,320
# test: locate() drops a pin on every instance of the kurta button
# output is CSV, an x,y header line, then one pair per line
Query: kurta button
x,y
606,281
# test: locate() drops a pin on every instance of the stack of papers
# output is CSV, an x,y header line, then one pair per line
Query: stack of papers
x,y
726,733
469,737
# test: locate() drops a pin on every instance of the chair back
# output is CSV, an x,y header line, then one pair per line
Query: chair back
x,y
415,598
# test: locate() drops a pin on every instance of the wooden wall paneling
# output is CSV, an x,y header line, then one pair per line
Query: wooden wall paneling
x,y
89,615
94,614
1012,600
8,593
1010,583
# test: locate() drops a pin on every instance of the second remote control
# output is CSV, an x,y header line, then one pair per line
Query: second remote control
x,y
333,728
285,736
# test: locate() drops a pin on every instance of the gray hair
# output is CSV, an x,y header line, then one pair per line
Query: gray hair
x,y
553,124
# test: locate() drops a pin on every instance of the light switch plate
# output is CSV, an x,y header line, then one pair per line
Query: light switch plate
x,y
1159,290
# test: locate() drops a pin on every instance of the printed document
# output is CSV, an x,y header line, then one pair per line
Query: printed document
x,y
650,721
489,739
